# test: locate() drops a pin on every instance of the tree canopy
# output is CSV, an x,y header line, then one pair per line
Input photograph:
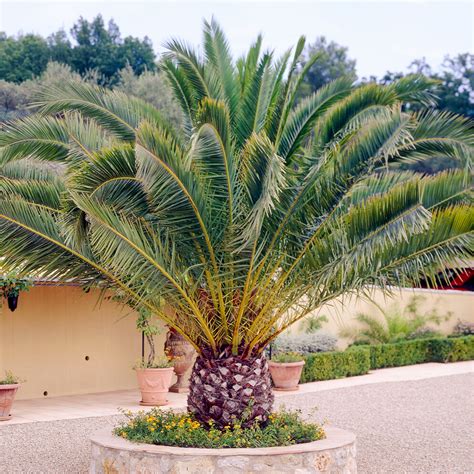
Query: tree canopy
x,y
91,46
325,61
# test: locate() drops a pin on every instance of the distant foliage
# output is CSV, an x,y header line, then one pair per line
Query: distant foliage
x,y
13,100
153,88
92,46
327,61
396,324
455,82
314,323
305,343
22,57
16,99
463,328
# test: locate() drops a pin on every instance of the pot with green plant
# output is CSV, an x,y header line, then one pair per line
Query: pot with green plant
x,y
10,288
285,370
154,379
154,374
8,388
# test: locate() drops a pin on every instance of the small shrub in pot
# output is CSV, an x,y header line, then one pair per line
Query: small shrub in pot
x,y
285,369
154,379
8,388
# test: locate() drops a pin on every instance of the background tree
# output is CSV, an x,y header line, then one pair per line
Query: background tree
x,y
23,57
93,48
16,99
326,61
153,88
102,49
454,86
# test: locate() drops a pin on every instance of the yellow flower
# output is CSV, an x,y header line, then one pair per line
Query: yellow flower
x,y
151,428
123,434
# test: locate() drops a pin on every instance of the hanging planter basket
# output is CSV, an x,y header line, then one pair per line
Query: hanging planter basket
x,y
12,302
11,287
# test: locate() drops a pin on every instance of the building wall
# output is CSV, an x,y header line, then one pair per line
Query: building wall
x,y
341,313
47,339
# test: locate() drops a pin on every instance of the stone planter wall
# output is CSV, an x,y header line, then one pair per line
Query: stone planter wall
x,y
336,455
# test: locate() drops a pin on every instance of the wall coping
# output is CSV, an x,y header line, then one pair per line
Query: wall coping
x,y
335,438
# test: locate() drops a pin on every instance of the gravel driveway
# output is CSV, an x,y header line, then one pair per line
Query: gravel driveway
x,y
426,426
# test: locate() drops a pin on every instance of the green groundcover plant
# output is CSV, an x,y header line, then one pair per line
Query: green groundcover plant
x,y
258,210
165,427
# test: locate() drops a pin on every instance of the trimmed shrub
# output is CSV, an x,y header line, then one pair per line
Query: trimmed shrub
x,y
418,351
305,343
335,365
398,354
358,359
452,349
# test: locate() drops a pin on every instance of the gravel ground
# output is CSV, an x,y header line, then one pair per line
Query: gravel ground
x,y
425,426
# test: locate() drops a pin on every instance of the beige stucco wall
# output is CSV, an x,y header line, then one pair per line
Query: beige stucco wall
x,y
53,329
48,337
341,312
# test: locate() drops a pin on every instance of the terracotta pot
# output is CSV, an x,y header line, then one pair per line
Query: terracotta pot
x,y
7,395
154,385
181,353
286,375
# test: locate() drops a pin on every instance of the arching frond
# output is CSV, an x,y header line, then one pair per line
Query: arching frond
x,y
256,213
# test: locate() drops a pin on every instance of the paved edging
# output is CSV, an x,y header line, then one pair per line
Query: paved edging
x,y
336,454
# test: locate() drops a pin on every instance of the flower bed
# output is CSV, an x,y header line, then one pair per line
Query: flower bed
x,y
164,427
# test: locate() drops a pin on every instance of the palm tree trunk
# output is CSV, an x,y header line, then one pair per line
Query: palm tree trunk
x,y
230,388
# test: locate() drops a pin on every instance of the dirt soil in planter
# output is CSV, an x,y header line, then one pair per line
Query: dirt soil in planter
x,y
422,426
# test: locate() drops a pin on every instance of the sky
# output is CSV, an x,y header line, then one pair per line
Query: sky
x,y
381,35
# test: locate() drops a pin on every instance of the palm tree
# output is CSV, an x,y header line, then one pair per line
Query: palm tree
x,y
254,214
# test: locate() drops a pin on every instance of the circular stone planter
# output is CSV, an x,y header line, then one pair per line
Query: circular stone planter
x,y
336,454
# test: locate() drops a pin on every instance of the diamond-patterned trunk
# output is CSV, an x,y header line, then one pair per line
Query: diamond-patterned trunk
x,y
230,387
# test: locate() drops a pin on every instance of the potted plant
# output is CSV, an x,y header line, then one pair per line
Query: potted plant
x,y
8,388
154,379
285,370
10,287
181,353
154,374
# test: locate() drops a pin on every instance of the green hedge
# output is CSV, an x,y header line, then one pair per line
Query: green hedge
x,y
453,349
417,351
358,360
335,365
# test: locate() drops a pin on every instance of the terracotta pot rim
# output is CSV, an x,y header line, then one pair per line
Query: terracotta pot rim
x,y
286,364
9,386
156,369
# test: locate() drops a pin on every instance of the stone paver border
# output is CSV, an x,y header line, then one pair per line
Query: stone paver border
x,y
335,454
